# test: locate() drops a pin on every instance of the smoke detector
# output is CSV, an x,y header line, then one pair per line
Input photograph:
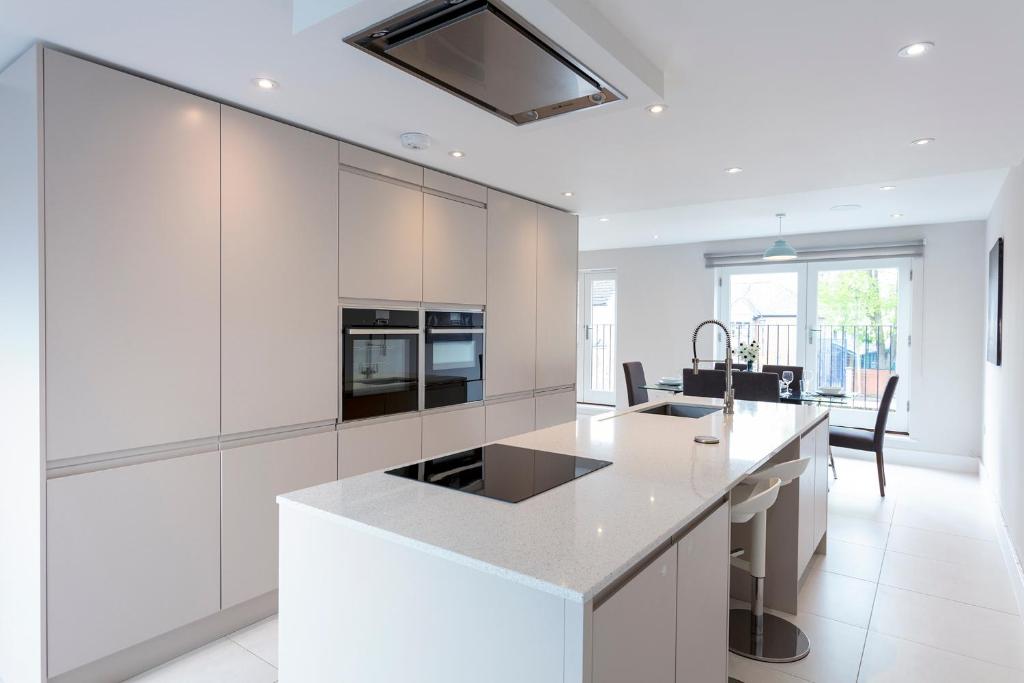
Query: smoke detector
x,y
415,140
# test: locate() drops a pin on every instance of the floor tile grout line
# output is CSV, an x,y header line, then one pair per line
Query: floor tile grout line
x,y
250,651
942,649
948,599
874,599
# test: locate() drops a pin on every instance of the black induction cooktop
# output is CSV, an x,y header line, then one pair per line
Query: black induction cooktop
x,y
507,473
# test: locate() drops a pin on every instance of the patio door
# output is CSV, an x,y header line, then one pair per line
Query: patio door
x,y
858,335
597,337
847,323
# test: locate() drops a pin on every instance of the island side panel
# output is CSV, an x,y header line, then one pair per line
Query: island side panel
x,y
358,607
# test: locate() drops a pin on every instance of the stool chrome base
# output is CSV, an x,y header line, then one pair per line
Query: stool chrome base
x,y
780,641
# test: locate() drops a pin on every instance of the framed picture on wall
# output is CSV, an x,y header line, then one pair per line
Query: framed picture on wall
x,y
995,303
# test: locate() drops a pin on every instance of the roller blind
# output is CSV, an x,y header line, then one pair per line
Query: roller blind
x,y
860,251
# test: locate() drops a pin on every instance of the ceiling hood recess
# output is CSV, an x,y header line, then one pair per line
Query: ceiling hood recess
x,y
484,53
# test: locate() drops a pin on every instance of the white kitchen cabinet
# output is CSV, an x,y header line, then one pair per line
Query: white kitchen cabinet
x,y
279,304
381,164
821,451
805,533
132,552
509,418
132,201
634,631
510,359
555,408
454,251
379,445
381,239
702,634
251,479
557,250
453,430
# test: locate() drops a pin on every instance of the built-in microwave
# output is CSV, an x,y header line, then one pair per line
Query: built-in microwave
x,y
453,357
380,362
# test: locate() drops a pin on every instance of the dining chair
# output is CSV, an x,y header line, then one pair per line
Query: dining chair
x,y
635,381
706,383
756,386
735,366
798,374
868,440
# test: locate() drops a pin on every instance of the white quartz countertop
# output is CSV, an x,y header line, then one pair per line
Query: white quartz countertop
x,y
578,538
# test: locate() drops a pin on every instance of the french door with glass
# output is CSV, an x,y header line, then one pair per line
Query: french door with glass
x,y
597,357
847,323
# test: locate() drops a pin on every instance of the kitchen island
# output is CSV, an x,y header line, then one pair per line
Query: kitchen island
x,y
625,569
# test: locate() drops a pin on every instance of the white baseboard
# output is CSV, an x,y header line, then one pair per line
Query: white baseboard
x,y
912,458
1010,555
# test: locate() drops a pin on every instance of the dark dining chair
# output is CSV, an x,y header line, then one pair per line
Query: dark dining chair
x,y
735,366
798,374
868,440
756,386
635,381
706,383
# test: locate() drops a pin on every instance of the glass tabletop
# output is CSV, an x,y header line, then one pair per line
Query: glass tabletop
x,y
812,397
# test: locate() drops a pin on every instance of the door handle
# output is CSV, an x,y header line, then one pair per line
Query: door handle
x,y
586,332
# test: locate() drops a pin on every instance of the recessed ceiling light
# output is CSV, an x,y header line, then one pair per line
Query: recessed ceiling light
x,y
567,194
605,219
887,188
655,237
922,141
657,108
915,49
896,215
265,83
845,207
734,170
458,154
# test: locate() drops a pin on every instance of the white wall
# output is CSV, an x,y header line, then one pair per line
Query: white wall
x,y
664,292
1004,417
21,486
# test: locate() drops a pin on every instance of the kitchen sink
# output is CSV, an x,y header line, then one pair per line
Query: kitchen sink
x,y
680,410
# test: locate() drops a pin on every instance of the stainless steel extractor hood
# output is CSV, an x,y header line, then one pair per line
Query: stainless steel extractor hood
x,y
484,53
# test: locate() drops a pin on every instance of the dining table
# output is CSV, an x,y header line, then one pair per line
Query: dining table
x,y
807,397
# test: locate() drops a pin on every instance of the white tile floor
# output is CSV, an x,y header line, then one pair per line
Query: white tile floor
x,y
914,588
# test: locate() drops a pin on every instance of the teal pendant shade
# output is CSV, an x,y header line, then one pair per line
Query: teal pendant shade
x,y
781,250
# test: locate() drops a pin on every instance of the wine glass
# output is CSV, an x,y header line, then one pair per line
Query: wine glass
x,y
787,378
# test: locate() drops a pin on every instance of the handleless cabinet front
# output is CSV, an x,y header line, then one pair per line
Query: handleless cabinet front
x,y
132,261
820,466
510,358
454,251
379,445
634,631
279,354
555,408
131,553
805,534
509,418
453,430
557,251
381,239
252,478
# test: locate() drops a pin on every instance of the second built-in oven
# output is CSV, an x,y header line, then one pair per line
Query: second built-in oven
x,y
380,362
453,357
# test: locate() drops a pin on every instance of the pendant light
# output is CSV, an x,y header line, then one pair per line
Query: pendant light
x,y
781,250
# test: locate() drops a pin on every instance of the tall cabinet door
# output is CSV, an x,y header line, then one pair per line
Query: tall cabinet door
x,y
510,359
557,250
279,352
132,261
454,251
381,233
251,479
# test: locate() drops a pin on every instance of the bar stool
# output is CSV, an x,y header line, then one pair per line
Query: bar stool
x,y
752,633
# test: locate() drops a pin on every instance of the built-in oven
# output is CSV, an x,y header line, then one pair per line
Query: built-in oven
x,y
453,357
380,362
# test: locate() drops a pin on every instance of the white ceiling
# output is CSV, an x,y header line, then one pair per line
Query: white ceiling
x,y
807,96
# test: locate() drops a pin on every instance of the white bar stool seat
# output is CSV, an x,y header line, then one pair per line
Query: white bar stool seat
x,y
752,633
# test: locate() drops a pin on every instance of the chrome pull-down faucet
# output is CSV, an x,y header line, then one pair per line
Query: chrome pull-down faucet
x,y
730,407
